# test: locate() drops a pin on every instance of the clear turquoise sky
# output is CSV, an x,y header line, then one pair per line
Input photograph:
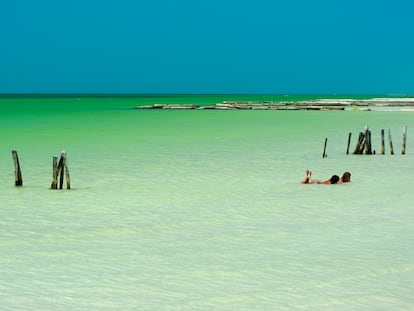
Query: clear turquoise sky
x,y
212,46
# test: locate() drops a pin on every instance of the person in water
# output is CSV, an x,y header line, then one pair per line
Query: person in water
x,y
346,177
335,179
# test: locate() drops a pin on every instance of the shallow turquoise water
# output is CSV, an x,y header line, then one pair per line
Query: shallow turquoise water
x,y
202,210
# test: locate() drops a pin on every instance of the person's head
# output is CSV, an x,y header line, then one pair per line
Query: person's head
x,y
346,177
334,179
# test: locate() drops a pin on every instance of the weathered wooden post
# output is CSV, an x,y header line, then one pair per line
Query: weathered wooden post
x,y
389,138
55,173
59,171
324,155
382,142
65,163
404,139
359,149
349,142
368,146
17,170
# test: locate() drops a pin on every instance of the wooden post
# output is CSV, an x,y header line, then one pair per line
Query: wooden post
x,y
55,173
404,139
389,138
368,146
65,162
324,149
357,145
61,170
17,170
349,142
359,149
382,142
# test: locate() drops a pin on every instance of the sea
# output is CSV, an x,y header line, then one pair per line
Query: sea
x,y
202,209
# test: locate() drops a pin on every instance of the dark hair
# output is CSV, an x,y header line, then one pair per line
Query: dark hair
x,y
346,177
334,179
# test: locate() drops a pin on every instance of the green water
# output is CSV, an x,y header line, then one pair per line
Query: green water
x,y
201,210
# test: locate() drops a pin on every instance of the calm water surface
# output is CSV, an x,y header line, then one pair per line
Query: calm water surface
x,y
202,210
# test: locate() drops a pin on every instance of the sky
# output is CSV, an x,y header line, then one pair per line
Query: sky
x,y
211,46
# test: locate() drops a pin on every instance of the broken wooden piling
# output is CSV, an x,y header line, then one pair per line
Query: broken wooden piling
x,y
360,146
368,145
65,162
55,173
390,139
61,169
349,142
324,155
59,172
17,169
364,144
404,139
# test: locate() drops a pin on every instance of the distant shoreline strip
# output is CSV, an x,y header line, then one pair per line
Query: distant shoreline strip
x,y
317,104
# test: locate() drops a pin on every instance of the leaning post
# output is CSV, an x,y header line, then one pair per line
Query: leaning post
x,y
324,155
349,142
404,139
65,163
55,173
359,149
61,170
382,142
17,170
390,139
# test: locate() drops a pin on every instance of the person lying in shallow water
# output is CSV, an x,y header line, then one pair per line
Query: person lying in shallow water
x,y
335,179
